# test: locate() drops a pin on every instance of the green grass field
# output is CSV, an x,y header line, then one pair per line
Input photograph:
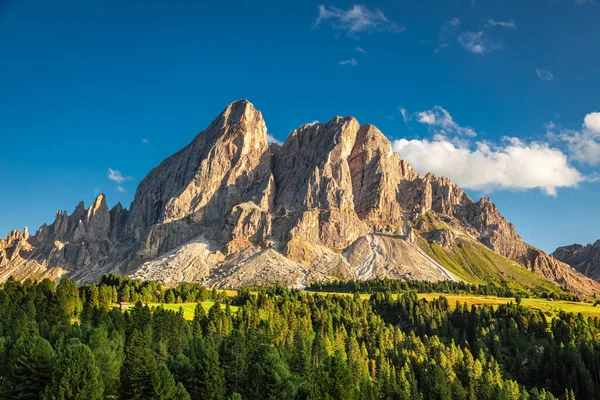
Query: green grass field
x,y
550,307
553,307
188,308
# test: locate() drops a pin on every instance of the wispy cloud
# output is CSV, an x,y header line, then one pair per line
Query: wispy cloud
x,y
145,141
503,24
583,144
361,50
357,19
271,139
511,164
544,74
351,62
440,120
447,32
478,42
405,116
116,176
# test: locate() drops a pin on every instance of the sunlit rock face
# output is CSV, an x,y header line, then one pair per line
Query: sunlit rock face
x,y
332,202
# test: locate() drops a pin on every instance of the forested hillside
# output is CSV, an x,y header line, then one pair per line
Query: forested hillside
x,y
69,342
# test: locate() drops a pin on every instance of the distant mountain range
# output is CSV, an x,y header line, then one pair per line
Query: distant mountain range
x,y
585,259
333,202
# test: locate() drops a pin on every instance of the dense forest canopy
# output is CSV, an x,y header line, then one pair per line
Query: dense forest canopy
x,y
68,342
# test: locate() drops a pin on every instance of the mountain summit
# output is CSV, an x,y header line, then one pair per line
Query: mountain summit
x,y
333,202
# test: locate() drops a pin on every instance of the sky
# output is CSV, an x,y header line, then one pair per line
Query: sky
x,y
502,97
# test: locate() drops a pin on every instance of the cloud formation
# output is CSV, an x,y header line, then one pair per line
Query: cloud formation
x,y
357,19
351,62
361,50
405,116
271,139
591,122
511,164
440,119
502,24
583,145
478,42
116,176
145,141
544,74
447,32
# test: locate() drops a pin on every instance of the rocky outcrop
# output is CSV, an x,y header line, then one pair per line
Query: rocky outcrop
x,y
585,259
225,165
333,202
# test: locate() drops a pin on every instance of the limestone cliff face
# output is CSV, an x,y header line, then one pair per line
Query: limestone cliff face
x,y
376,176
334,201
585,259
225,165
314,200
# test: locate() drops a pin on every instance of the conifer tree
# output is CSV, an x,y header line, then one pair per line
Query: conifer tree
x,y
29,367
75,375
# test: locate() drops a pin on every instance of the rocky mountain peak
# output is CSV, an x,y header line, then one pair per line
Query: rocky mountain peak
x,y
583,258
226,164
333,201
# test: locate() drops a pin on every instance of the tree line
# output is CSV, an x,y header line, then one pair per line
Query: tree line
x,y
396,285
69,342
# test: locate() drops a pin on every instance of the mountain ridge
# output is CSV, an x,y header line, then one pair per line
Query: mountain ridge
x,y
333,201
583,258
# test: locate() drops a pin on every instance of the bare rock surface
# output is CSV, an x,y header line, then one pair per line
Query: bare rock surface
x,y
583,258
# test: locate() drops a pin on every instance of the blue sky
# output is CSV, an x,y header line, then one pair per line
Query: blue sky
x,y
499,96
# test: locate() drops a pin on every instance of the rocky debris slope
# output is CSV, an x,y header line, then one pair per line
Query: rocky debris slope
x,y
585,259
334,201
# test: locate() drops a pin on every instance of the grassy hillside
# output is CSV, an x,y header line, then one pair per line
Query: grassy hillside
x,y
550,308
474,263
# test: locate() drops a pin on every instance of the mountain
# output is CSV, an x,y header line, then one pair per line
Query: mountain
x,y
585,259
334,201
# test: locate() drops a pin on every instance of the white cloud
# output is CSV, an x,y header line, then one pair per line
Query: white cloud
x,y
591,122
478,42
117,176
544,74
405,115
583,145
454,22
351,62
442,122
271,139
361,50
503,24
145,141
357,19
510,165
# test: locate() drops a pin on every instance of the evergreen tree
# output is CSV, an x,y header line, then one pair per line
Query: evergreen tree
x,y
75,375
138,369
29,367
165,388
108,353
208,378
